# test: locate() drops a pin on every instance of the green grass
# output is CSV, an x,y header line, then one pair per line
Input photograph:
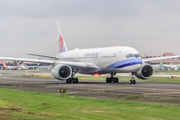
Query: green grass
x,y
167,72
164,80
62,107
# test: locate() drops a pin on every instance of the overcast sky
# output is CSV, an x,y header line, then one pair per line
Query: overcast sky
x,y
29,26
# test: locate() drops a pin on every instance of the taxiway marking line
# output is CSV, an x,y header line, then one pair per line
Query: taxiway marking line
x,y
162,93
154,89
61,86
7,81
70,85
111,89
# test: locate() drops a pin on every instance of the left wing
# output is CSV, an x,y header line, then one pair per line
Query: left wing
x,y
158,58
54,57
53,62
29,60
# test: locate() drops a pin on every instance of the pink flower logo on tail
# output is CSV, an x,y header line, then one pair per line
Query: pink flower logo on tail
x,y
60,43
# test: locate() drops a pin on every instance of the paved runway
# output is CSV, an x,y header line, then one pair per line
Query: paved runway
x,y
91,88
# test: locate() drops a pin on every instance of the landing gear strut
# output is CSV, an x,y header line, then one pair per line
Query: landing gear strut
x,y
73,80
112,79
132,81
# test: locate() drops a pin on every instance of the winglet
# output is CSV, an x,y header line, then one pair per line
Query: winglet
x,y
61,41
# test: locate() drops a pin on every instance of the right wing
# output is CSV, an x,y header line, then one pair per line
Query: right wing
x,y
146,60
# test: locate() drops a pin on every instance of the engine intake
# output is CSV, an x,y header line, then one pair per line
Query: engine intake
x,y
62,72
145,73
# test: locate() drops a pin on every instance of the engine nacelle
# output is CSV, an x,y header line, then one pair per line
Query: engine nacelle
x,y
62,72
146,72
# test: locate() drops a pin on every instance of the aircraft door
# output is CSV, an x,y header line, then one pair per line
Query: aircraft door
x,y
119,56
76,56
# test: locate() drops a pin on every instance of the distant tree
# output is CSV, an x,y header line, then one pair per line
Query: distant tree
x,y
15,63
8,64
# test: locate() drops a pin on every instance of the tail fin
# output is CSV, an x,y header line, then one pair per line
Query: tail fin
x,y
162,65
4,65
61,41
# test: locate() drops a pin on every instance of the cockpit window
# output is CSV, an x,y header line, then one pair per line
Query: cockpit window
x,y
133,55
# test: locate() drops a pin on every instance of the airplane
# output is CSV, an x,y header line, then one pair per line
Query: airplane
x,y
95,61
19,67
6,67
156,67
168,67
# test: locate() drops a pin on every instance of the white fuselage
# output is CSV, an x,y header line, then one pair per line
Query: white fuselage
x,y
107,60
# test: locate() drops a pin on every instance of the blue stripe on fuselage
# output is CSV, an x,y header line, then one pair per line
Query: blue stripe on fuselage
x,y
126,63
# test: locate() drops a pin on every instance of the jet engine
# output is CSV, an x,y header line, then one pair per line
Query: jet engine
x,y
146,72
62,72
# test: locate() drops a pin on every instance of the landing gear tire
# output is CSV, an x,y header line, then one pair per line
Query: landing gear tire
x,y
117,80
68,81
75,80
134,81
130,82
108,80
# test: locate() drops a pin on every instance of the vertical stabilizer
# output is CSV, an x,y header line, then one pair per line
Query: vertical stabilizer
x,y
4,65
162,65
61,41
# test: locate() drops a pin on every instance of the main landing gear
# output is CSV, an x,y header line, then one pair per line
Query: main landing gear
x,y
132,81
112,79
73,80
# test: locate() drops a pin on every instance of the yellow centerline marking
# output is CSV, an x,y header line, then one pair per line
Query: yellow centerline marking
x,y
8,81
111,89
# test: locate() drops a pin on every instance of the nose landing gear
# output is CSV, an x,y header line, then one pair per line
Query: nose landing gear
x,y
112,79
132,81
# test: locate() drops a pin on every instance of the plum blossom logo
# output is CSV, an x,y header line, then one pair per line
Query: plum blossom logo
x,y
60,43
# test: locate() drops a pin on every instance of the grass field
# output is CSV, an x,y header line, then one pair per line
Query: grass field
x,y
30,105
167,72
